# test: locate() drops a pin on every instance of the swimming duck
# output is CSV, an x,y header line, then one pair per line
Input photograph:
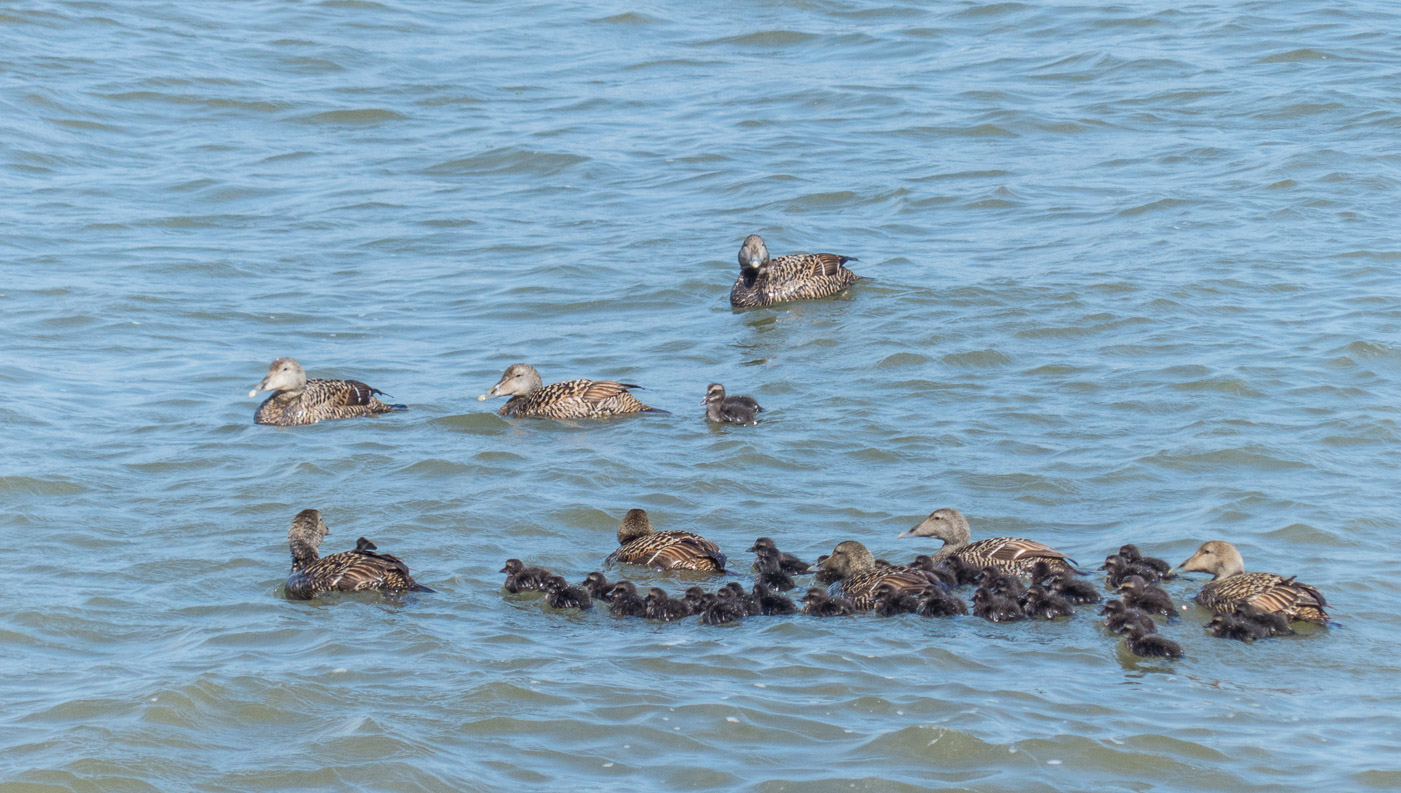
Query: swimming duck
x,y
348,571
1248,624
520,578
787,562
771,603
625,602
1065,583
1130,553
1041,603
665,550
1150,645
800,276
661,606
894,602
857,578
571,399
1232,587
598,586
1118,617
1147,598
725,607
560,595
1006,554
735,409
301,401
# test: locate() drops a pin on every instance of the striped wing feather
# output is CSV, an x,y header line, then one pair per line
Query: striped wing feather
x,y
1267,592
671,550
1014,554
576,399
863,589
352,571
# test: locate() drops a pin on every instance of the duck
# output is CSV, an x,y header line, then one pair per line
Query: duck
x,y
1150,645
1231,587
1065,584
1014,555
1148,598
729,409
1041,603
1247,624
571,399
724,607
857,578
520,578
299,401
1119,617
771,603
1130,553
560,595
625,602
764,281
347,571
639,544
598,586
818,603
894,602
940,602
661,606
787,562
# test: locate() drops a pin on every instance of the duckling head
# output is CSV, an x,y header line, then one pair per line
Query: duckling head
x,y
1217,557
848,558
753,254
285,374
947,524
520,379
714,394
635,524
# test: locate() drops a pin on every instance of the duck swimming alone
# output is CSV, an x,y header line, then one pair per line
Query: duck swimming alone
x,y
665,550
1013,555
1232,588
571,399
302,401
856,577
348,571
800,276
729,409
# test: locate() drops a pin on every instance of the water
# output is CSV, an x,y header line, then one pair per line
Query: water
x,y
1133,278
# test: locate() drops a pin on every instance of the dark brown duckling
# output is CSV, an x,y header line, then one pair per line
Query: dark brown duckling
x,y
520,578
348,571
697,599
598,586
639,544
1231,587
300,401
660,606
817,603
746,600
1118,617
858,578
771,603
1231,626
1015,555
777,579
800,276
1041,603
625,601
1116,568
1146,597
571,399
725,607
1150,645
560,595
940,602
787,562
939,570
1130,553
732,409
1066,584
996,606
893,602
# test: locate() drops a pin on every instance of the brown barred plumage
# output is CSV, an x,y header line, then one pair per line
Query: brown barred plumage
x,y
665,550
1232,588
571,399
1014,555
348,571
801,276
302,401
860,581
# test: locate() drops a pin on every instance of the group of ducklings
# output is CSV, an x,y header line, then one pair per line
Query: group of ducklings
x,y
1017,578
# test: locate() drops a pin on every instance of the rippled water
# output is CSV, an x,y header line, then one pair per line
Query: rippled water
x,y
1132,278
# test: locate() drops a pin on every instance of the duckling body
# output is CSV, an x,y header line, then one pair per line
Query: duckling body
x,y
348,571
765,549
520,578
571,399
1015,555
1150,645
730,409
1147,598
859,580
1231,587
300,401
764,281
560,595
625,602
639,544
818,603
1119,617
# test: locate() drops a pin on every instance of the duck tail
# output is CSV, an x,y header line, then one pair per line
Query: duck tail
x,y
398,407
650,409
417,587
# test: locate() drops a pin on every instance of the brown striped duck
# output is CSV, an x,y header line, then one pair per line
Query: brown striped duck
x,y
800,276
348,571
856,577
1231,588
301,401
639,544
1014,555
571,399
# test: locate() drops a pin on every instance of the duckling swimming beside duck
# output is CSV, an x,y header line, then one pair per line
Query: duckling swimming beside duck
x,y
1015,555
301,401
800,276
729,409
348,571
1231,587
639,544
571,399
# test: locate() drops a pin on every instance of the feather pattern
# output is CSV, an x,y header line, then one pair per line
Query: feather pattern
x,y
299,401
1016,555
571,399
671,550
1232,589
801,276
348,571
864,589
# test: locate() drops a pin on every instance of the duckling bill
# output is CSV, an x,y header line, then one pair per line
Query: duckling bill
x,y
298,401
571,399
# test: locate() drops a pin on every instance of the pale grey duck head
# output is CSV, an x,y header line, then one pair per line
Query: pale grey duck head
x,y
285,374
849,558
947,524
1217,557
635,524
714,394
753,253
520,379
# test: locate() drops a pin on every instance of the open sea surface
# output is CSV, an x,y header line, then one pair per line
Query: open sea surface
x,y
1132,278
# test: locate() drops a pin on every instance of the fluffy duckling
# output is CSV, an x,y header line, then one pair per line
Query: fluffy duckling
x,y
1041,603
1231,587
893,602
732,410
800,276
996,606
560,595
1005,554
661,606
348,571
571,399
697,599
520,578
817,603
1150,645
1130,553
771,603
725,607
857,578
639,544
940,602
301,401
1248,624
787,562
625,601
1146,597
598,586
1066,584
1118,617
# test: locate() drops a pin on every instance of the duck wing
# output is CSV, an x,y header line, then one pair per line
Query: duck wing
x,y
1012,549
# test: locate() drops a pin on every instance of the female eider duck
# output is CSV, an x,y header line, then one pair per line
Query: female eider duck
x,y
729,409
856,577
348,571
800,276
571,399
1013,555
1231,587
302,401
665,550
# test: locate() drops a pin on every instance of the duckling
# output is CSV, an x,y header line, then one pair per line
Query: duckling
x,y
1146,597
941,571
520,578
560,595
857,578
817,603
800,276
893,602
661,606
348,571
1118,566
1005,554
996,606
301,401
1150,645
697,599
746,600
571,399
625,601
1232,587
1066,584
724,608
1231,626
733,410
664,550
1118,617
1043,604
1130,553
771,603
777,579
787,562
940,602
598,586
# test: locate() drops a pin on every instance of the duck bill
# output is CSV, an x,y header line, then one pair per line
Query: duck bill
x,y
490,394
262,386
